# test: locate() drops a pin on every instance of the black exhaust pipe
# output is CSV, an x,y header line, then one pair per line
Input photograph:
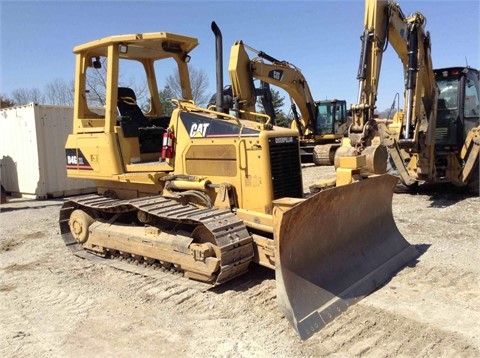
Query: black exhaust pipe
x,y
219,65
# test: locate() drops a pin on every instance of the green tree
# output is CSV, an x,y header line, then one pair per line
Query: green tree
x,y
278,103
166,96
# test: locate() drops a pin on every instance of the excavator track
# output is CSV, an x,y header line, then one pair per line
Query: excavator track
x,y
233,244
324,154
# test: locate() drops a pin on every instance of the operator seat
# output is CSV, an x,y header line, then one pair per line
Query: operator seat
x,y
135,124
128,108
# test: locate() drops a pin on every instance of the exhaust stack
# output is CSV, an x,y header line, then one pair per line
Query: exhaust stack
x,y
219,66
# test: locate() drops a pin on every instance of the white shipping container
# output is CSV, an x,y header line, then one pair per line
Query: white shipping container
x,y
32,152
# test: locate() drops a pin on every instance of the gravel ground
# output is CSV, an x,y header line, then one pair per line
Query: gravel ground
x,y
57,305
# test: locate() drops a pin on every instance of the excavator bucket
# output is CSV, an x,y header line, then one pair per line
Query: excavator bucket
x,y
335,248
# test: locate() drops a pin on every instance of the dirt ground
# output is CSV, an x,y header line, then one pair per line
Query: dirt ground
x,y
54,304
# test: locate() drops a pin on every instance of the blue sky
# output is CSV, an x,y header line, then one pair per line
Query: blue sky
x,y
320,37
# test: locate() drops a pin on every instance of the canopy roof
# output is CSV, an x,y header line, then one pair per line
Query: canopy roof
x,y
154,45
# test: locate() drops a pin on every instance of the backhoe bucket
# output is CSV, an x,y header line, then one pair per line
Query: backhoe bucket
x,y
335,248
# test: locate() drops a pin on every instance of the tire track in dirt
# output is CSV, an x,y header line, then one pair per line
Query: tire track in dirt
x,y
362,330
249,297
42,302
170,289
13,243
429,295
450,284
365,330
70,303
41,319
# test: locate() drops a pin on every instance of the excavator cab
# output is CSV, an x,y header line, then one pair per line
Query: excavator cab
x,y
331,114
457,131
458,108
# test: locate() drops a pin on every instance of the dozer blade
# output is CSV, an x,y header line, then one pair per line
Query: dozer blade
x,y
335,248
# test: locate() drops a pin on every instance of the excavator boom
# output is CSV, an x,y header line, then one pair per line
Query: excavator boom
x,y
320,124
244,70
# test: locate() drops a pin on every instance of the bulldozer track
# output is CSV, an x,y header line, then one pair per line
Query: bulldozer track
x,y
172,276
230,234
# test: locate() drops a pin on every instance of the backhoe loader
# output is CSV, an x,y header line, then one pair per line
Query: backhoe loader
x,y
437,138
322,124
205,194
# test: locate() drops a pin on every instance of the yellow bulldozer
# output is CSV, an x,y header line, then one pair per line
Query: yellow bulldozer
x,y
207,194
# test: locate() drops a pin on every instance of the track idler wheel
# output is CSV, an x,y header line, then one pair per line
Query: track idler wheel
x,y
79,223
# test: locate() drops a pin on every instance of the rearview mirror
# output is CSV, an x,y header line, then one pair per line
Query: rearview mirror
x,y
96,63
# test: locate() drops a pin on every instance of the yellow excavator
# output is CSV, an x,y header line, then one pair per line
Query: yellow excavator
x,y
437,138
322,124
206,194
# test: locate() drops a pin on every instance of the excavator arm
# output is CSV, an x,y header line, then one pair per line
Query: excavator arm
x,y
412,130
244,70
386,24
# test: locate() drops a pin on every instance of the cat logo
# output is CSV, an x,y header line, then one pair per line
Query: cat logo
x,y
276,74
199,130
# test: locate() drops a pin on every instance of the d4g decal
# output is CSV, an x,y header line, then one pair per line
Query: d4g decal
x,y
76,160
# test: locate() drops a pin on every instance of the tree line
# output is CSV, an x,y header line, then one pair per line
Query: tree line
x,y
56,92
61,92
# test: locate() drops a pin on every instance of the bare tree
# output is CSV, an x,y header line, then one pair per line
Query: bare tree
x,y
198,82
23,96
97,83
59,92
6,102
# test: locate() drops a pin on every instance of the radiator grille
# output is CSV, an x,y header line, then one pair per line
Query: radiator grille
x,y
286,167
